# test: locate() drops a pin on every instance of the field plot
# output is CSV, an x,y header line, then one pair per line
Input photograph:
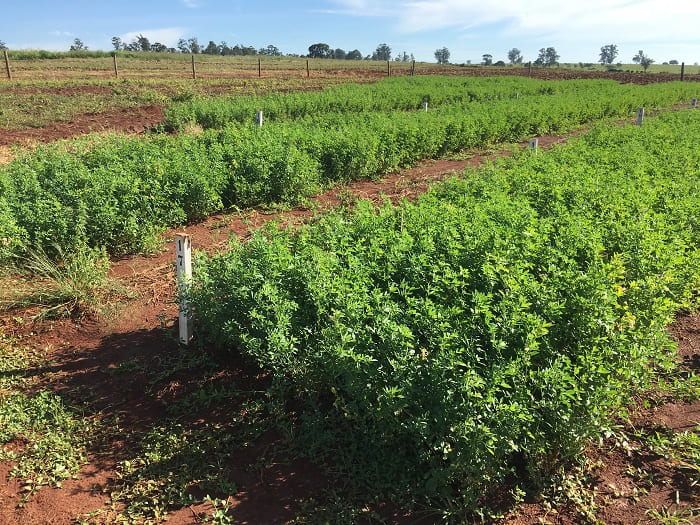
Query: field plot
x,y
437,349
495,347
119,192
82,89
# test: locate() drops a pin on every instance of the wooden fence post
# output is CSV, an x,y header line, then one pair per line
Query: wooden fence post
x,y
259,69
529,68
308,74
194,69
7,65
682,71
116,71
388,68
183,251
413,68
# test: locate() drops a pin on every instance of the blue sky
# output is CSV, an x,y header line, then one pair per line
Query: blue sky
x,y
664,29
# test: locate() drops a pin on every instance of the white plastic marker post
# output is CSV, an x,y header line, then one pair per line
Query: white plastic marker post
x,y
533,145
517,96
693,103
640,116
425,106
183,251
259,118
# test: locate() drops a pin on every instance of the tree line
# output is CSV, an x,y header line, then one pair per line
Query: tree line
x,y
547,56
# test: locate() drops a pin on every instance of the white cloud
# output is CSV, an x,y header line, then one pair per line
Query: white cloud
x,y
167,36
56,32
576,21
359,8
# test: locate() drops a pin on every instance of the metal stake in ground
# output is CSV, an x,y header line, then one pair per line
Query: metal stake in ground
x,y
183,251
259,118
425,106
533,145
640,116
693,103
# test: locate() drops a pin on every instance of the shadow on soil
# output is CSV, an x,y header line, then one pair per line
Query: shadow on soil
x,y
181,424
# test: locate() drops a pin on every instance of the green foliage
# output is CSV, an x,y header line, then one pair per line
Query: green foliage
x,y
120,192
436,349
402,94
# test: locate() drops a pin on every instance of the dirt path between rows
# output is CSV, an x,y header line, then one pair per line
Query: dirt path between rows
x,y
125,120
84,351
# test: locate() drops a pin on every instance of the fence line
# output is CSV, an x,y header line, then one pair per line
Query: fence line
x,y
202,67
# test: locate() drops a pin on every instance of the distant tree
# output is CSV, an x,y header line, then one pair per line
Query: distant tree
x,y
142,43
319,51
3,46
244,50
515,56
224,49
270,50
354,55
643,60
547,57
608,54
211,49
487,59
339,54
442,55
117,43
159,48
673,62
182,46
404,57
383,52
194,46
78,45
500,63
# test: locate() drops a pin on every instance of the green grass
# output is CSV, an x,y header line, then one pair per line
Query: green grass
x,y
64,284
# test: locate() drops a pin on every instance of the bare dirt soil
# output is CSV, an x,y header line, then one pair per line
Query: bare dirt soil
x,y
84,351
126,120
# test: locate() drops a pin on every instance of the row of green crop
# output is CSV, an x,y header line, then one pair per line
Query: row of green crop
x,y
118,192
437,350
406,93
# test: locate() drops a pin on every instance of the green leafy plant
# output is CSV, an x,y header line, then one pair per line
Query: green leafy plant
x,y
120,192
435,349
